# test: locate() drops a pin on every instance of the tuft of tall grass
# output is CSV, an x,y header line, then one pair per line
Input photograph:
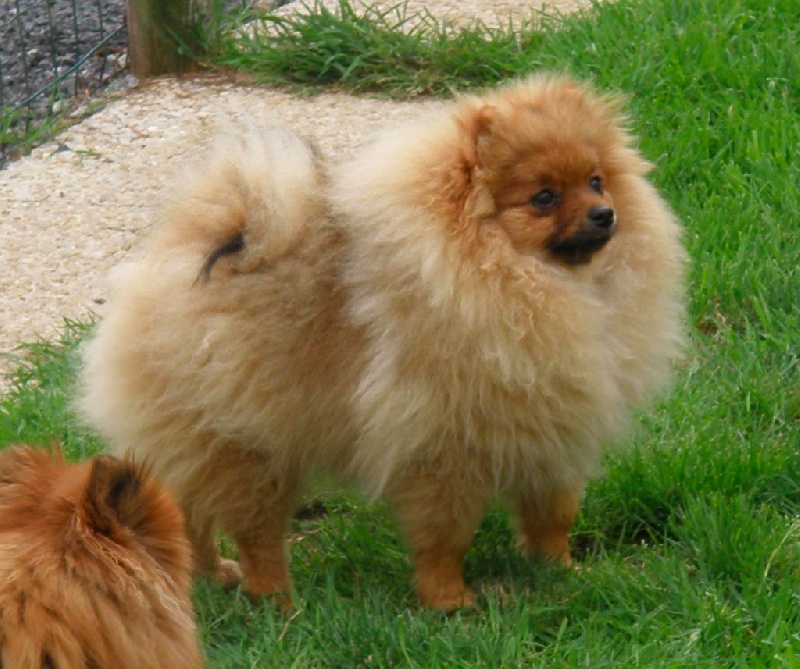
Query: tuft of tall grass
x,y
367,49
35,408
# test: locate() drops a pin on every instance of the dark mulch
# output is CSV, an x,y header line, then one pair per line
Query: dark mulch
x,y
75,45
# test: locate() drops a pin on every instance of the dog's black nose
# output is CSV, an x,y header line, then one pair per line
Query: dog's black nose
x,y
602,216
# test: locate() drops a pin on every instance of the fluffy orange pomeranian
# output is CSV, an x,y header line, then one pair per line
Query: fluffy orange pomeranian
x,y
468,309
95,567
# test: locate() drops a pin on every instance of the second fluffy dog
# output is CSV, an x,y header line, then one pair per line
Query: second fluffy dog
x,y
468,310
95,567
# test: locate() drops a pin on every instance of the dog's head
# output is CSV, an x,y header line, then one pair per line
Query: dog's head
x,y
543,161
105,507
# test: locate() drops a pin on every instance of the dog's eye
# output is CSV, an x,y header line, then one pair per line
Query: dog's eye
x,y
596,184
545,199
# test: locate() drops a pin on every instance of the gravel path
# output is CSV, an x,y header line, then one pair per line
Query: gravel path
x,y
78,206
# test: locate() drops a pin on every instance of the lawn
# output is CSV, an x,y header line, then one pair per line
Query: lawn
x,y
688,546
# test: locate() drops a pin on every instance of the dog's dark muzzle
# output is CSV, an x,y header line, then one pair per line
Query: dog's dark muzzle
x,y
597,229
601,218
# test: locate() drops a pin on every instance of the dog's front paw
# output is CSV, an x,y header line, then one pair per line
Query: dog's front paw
x,y
227,572
445,595
281,601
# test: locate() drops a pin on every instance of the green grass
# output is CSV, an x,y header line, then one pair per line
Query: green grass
x,y
20,133
392,51
22,129
689,545
35,408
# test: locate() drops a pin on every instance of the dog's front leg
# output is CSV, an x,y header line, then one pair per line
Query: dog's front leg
x,y
438,512
545,519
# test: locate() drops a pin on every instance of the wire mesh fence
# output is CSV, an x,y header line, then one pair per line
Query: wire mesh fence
x,y
54,54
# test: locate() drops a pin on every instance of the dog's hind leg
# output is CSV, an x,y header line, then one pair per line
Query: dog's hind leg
x,y
544,521
207,560
256,511
241,492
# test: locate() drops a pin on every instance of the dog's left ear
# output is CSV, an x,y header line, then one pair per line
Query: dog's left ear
x,y
112,494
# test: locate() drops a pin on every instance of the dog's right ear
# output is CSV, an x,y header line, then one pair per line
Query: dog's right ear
x,y
112,494
484,121
477,125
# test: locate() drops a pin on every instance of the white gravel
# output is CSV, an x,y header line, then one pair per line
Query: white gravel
x,y
77,206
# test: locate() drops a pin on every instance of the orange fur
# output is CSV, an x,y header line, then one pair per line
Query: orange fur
x,y
94,567
413,323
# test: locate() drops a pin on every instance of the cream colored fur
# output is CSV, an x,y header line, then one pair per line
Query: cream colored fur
x,y
381,325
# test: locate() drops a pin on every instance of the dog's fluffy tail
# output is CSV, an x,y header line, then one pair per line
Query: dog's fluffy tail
x,y
244,204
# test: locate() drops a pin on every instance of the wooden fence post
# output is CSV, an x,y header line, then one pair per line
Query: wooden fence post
x,y
155,30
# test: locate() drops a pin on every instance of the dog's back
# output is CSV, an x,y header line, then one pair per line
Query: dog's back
x,y
235,301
